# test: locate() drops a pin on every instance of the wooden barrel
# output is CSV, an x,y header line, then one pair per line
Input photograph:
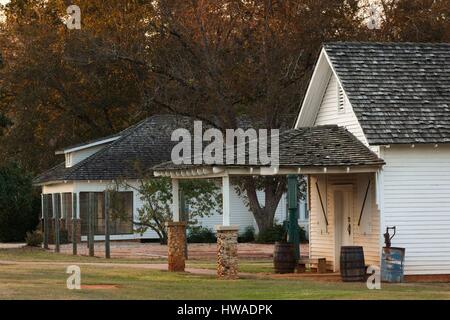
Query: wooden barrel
x,y
284,257
352,263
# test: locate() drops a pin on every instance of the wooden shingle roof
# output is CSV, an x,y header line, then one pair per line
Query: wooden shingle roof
x,y
400,92
320,146
130,157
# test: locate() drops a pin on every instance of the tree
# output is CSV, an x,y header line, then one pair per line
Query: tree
x,y
55,85
219,60
213,60
18,203
202,198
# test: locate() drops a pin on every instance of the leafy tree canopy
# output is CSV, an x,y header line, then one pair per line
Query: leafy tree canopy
x,y
18,204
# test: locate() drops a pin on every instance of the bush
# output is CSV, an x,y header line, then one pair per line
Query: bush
x,y
19,205
201,235
271,235
34,239
248,235
278,233
63,237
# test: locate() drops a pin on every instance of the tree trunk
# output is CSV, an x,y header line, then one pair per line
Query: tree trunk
x,y
274,187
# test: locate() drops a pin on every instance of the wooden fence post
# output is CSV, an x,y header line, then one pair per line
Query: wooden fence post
x,y
107,227
74,224
45,212
56,208
91,223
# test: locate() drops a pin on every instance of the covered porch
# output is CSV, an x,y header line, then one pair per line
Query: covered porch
x,y
342,182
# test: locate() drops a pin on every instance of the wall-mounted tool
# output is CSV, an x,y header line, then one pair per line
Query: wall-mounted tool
x,y
388,237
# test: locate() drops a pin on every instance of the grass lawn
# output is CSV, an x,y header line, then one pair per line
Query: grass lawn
x,y
46,279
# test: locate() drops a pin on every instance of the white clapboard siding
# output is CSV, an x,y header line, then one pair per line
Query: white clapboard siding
x,y
416,183
367,235
321,236
241,215
329,111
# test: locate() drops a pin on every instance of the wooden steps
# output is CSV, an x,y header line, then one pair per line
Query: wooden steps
x,y
318,265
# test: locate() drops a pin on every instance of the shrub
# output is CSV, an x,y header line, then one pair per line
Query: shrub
x,y
63,237
271,235
34,239
201,235
248,235
19,205
278,233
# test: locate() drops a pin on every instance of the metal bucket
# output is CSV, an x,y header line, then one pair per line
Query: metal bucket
x,y
392,264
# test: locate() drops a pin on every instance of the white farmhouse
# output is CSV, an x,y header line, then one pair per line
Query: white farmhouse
x,y
373,137
394,98
92,167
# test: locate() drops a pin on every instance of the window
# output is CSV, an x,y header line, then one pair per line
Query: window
x,y
122,204
66,213
47,206
341,100
68,160
56,205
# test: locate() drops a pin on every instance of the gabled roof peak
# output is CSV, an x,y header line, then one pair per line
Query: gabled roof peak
x,y
399,91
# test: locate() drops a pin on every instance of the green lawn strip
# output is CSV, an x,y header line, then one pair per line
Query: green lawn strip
x,y
37,282
37,254
40,255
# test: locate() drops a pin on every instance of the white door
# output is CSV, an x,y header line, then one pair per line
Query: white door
x,y
343,215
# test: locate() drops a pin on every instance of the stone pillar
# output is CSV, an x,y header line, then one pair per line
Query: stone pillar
x,y
176,246
227,246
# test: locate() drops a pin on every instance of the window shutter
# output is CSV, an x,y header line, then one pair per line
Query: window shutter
x,y
321,205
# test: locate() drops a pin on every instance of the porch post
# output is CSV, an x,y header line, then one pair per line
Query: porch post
x,y
176,232
293,230
74,223
175,200
226,201
107,226
45,216
227,235
56,210
62,225
91,216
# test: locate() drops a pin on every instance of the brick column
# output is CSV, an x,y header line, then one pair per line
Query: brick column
x,y
176,246
227,260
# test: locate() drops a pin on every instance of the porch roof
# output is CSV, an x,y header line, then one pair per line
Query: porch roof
x,y
305,150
